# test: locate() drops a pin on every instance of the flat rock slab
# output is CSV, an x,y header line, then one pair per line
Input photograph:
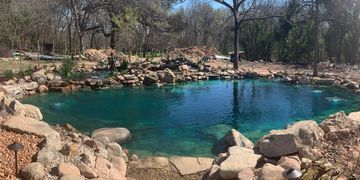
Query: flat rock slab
x,y
151,163
191,165
28,125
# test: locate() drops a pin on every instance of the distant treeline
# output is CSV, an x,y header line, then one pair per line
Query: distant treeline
x,y
134,26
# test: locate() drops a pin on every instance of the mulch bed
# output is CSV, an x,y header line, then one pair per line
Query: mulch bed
x,y
7,157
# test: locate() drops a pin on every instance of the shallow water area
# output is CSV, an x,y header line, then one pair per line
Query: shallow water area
x,y
188,119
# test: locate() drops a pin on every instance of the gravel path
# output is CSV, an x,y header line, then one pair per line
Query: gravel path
x,y
7,160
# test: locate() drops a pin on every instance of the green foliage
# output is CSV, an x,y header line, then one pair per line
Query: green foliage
x,y
124,66
67,66
27,72
9,74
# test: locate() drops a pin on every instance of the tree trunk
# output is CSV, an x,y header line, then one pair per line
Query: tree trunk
x,y
236,38
315,73
113,36
81,43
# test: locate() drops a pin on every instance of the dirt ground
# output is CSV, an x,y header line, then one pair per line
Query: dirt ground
x,y
160,174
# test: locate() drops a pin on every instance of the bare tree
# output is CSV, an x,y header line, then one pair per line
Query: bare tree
x,y
245,10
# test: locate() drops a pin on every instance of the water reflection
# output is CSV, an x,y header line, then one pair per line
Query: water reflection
x,y
188,119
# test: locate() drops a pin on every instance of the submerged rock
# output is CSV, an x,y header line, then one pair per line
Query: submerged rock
x,y
119,135
232,138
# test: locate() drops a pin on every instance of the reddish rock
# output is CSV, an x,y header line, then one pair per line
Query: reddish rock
x,y
289,162
86,171
246,174
102,167
119,164
68,169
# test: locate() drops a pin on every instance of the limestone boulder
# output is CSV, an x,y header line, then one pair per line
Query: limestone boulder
x,y
246,174
39,76
46,156
32,126
323,81
354,116
13,91
239,158
284,142
339,126
191,165
232,138
169,76
33,171
31,86
32,111
119,135
26,110
271,172
43,89
86,171
102,168
290,162
114,149
150,79
68,169
118,170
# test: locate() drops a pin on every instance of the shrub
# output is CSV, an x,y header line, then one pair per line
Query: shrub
x,y
9,74
67,66
124,66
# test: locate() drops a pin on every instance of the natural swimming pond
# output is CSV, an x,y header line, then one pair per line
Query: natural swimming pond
x,y
187,119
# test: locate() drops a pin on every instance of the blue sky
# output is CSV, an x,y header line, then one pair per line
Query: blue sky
x,y
188,2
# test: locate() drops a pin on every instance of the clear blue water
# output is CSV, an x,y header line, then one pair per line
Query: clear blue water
x,y
188,119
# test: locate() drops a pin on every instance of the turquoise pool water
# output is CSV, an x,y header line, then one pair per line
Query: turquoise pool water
x,y
188,119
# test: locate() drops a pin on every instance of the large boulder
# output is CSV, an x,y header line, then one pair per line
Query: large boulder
x,y
13,91
150,79
323,81
119,135
33,171
239,158
32,112
169,76
39,76
86,171
102,168
232,138
339,126
118,170
43,89
32,126
354,116
284,142
26,110
271,172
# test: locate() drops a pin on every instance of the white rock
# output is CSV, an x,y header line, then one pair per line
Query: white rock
x,y
239,158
